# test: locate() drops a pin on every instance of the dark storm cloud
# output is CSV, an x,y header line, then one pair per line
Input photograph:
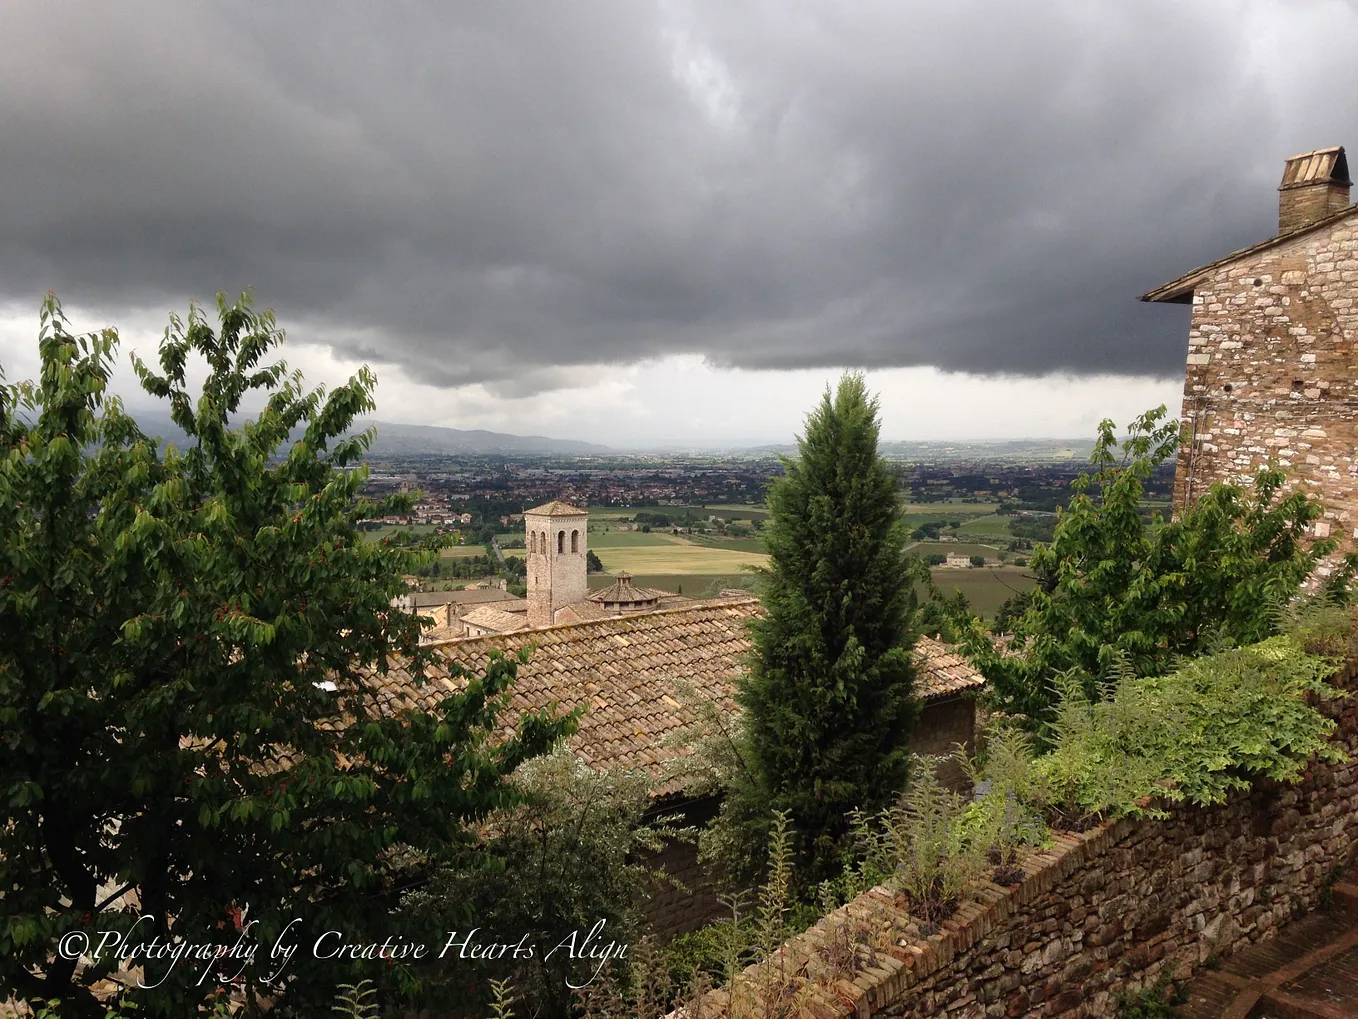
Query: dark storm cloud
x,y
486,192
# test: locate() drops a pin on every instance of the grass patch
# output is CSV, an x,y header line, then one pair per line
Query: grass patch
x,y
629,539
989,524
467,551
734,544
986,588
954,510
676,558
967,548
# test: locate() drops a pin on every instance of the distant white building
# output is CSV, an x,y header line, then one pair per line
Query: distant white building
x,y
958,561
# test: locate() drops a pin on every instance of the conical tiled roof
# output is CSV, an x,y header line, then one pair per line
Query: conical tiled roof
x,y
624,594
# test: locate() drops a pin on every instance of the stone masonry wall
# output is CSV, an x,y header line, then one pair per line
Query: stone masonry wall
x,y
942,725
1101,910
1272,375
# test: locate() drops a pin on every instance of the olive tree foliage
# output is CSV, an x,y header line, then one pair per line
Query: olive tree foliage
x,y
188,641
1118,591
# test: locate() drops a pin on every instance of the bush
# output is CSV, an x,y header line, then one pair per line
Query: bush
x,y
1112,589
574,854
1153,1002
1209,727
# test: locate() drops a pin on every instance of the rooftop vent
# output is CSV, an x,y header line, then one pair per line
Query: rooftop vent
x,y
1315,185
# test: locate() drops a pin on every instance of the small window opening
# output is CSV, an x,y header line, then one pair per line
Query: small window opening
x,y
575,541
560,541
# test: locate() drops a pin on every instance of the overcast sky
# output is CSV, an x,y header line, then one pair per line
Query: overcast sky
x,y
637,222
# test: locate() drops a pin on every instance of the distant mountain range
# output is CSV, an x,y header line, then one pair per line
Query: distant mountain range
x,y
943,450
408,440
415,440
429,439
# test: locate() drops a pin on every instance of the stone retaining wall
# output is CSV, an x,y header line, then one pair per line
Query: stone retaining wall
x,y
1099,911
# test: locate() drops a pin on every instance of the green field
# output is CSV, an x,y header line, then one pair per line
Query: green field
x,y
628,539
952,510
695,585
986,588
924,548
464,551
675,558
734,544
725,511
989,524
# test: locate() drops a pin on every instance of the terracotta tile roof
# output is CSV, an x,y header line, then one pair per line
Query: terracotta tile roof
x,y
555,508
489,617
623,592
623,670
941,672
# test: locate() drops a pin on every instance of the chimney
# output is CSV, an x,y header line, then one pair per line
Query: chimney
x,y
1315,185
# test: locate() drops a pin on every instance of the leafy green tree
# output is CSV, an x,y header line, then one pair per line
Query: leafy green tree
x,y
828,696
580,849
1113,588
188,645
592,563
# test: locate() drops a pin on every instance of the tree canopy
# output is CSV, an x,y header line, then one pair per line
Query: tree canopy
x,y
828,696
188,643
1115,590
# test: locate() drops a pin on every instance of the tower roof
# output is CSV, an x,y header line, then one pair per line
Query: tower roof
x,y
555,508
623,593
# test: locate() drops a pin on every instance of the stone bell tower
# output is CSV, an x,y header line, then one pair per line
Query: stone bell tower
x,y
555,535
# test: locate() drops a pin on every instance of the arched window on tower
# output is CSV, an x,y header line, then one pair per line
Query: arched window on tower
x,y
575,541
560,541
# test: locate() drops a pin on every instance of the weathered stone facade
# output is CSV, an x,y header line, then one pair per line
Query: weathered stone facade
x,y
1271,374
557,537
1102,910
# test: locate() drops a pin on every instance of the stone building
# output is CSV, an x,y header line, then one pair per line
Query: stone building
x,y
1271,371
557,538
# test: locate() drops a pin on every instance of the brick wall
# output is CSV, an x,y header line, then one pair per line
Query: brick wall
x,y
671,910
1271,373
1103,909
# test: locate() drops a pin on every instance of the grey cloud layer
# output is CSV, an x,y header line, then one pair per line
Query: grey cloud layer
x,y
487,192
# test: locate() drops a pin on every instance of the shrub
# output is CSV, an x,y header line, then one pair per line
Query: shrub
x,y
574,853
1211,726
1113,589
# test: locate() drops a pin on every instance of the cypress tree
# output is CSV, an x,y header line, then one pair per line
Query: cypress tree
x,y
828,697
